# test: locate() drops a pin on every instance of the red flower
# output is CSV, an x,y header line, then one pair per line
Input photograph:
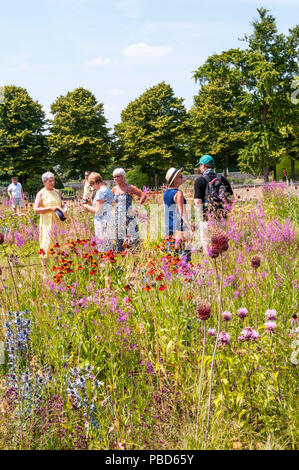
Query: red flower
x,y
93,271
127,287
162,287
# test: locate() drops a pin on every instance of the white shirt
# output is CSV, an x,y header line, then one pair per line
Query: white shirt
x,y
15,190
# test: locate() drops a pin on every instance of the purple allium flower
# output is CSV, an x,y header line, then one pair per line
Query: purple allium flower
x,y
203,310
226,316
242,313
212,332
224,338
255,262
248,334
271,314
270,325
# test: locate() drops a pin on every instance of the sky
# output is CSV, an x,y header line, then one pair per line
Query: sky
x,y
119,48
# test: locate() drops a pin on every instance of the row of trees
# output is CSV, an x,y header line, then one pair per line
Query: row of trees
x,y
243,114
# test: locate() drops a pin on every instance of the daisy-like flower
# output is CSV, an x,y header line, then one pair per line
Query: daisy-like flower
x,y
294,320
242,313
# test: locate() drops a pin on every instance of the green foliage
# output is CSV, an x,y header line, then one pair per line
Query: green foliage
x,y
152,132
23,148
218,125
79,138
137,177
34,183
265,71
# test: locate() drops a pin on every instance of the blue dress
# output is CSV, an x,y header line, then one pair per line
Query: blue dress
x,y
103,222
173,220
126,227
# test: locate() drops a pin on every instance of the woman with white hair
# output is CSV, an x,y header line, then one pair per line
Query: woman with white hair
x,y
126,228
48,203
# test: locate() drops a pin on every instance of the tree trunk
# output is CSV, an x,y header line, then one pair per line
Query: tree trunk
x,y
149,180
293,169
225,172
266,174
274,173
156,180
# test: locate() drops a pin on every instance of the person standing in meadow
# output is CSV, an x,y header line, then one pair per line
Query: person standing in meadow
x,y
16,194
102,210
87,190
48,204
177,224
204,200
126,228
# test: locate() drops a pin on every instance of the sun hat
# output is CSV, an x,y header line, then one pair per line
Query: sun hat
x,y
171,174
206,160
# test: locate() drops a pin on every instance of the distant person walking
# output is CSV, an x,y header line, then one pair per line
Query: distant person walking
x,y
102,210
126,227
16,194
48,203
285,175
87,190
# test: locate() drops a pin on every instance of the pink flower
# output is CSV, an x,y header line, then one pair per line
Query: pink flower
x,y
270,325
224,338
248,334
242,313
271,314
212,332
294,320
226,316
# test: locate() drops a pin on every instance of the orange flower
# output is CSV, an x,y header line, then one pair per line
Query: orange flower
x,y
147,287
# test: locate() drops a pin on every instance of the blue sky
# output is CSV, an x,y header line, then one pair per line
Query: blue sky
x,y
118,48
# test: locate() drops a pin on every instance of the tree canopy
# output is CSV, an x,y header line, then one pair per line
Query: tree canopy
x,y
153,128
23,147
265,70
79,137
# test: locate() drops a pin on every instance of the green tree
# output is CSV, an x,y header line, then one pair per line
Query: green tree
x,y
218,125
266,69
79,138
23,147
152,132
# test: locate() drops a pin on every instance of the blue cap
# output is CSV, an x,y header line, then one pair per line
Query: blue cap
x,y
206,160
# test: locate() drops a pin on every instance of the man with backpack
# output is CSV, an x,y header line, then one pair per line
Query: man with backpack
x,y
212,193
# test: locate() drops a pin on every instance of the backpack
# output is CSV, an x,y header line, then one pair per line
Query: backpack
x,y
215,195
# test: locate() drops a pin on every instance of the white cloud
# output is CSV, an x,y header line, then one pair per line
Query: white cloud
x,y
98,61
141,49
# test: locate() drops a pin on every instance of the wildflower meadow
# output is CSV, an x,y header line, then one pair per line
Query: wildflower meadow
x,y
142,350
